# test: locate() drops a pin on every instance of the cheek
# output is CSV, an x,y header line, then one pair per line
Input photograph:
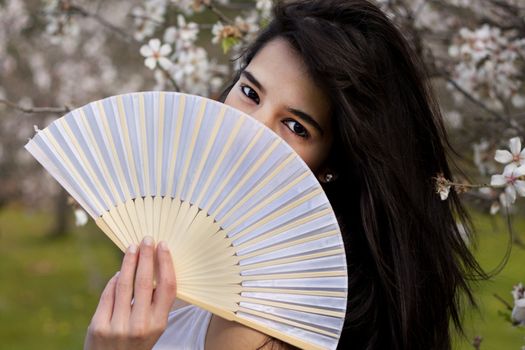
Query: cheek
x,y
313,155
233,99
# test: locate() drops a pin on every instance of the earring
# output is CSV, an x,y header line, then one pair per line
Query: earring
x,y
328,177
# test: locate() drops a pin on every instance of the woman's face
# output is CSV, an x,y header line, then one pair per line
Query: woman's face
x,y
275,88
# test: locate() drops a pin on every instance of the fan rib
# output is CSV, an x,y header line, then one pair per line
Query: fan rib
x,y
219,160
191,147
279,230
112,149
176,143
260,185
325,293
295,307
160,142
288,244
257,164
288,322
233,170
61,123
273,215
268,263
308,345
294,275
144,145
205,154
127,142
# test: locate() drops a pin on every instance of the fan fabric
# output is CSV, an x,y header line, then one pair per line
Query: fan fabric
x,y
252,234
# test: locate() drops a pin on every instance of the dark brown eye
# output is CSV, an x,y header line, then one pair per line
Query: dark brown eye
x,y
296,128
250,93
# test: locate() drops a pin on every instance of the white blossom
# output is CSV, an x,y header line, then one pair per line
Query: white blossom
x,y
265,6
516,155
155,53
146,19
453,119
81,217
518,312
488,65
510,179
183,35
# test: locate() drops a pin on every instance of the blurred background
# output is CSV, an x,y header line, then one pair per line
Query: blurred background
x,y
59,55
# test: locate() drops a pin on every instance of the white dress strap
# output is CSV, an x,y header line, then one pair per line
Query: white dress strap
x,y
186,330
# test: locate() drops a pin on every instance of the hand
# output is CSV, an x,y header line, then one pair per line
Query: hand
x,y
117,324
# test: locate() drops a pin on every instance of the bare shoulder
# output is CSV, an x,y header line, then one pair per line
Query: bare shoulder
x,y
228,335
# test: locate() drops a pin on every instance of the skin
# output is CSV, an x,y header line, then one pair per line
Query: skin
x,y
275,89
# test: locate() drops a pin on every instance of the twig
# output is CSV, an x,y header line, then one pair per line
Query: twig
x,y
146,18
210,6
480,104
56,110
503,301
170,78
82,11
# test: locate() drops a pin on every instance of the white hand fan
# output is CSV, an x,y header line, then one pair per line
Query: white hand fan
x,y
252,234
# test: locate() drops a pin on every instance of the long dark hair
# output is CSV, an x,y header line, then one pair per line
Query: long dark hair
x,y
408,264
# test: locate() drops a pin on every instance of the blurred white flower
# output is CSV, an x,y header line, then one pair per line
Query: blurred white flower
x,y
146,19
482,158
453,119
183,35
442,186
518,312
265,6
81,217
515,156
155,53
488,65
518,101
510,179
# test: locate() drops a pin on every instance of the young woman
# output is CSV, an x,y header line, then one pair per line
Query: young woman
x,y
337,81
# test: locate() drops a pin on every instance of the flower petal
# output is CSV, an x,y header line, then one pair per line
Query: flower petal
x,y
146,51
515,145
510,191
519,171
165,50
498,180
164,62
504,200
503,156
154,44
494,208
520,187
509,169
150,62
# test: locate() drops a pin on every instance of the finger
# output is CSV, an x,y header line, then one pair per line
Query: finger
x,y
166,290
105,305
124,287
143,281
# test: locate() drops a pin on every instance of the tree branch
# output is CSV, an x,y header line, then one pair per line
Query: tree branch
x,y
55,110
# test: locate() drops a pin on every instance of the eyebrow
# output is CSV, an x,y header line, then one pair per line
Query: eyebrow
x,y
298,113
253,80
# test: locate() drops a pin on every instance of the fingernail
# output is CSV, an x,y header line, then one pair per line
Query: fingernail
x,y
163,246
148,240
118,272
132,249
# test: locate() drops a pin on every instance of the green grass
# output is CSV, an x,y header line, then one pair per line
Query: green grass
x,y
49,287
497,333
